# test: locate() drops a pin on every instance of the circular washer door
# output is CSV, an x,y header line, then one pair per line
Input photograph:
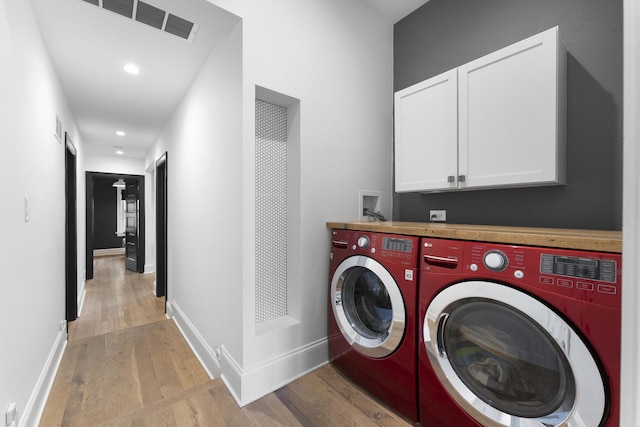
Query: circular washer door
x,y
509,360
368,306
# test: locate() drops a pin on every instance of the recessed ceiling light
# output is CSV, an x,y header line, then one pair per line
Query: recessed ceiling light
x,y
119,151
120,133
131,69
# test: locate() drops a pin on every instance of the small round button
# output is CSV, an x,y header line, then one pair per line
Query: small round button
x,y
363,242
473,267
518,274
495,261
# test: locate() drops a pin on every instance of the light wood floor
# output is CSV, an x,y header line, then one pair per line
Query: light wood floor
x,y
127,365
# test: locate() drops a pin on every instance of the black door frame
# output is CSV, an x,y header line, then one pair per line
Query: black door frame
x,y
161,227
71,230
90,212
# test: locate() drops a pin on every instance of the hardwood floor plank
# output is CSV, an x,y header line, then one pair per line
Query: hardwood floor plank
x,y
359,398
127,365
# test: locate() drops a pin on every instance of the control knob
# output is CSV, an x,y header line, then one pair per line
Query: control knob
x,y
496,261
363,242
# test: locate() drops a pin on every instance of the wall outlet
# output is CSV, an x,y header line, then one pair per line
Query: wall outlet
x,y
438,216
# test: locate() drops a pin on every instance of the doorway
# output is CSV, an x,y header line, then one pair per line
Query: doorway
x,y
71,232
133,230
161,227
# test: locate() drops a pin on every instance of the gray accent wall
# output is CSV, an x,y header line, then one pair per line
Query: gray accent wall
x,y
444,34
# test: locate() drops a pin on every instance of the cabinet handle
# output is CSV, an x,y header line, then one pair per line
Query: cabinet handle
x,y
451,178
462,178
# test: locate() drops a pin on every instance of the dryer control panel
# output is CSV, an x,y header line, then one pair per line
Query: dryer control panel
x,y
583,268
587,276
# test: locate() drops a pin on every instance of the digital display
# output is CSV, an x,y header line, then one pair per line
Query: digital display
x,y
398,245
583,268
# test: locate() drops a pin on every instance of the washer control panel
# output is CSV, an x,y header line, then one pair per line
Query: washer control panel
x,y
392,248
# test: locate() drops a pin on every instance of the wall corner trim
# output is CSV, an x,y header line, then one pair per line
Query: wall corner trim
x,y
81,296
35,406
249,385
201,349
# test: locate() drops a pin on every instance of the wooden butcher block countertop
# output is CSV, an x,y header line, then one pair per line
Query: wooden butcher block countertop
x,y
588,240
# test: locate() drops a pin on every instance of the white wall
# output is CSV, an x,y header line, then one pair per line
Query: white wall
x,y
203,141
630,366
113,164
32,276
336,58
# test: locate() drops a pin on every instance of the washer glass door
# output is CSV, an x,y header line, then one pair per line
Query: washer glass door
x,y
368,306
509,360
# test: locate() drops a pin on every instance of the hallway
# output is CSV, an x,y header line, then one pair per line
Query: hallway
x,y
127,365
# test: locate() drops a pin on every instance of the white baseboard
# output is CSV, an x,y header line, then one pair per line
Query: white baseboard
x,y
149,268
108,252
203,352
250,385
35,406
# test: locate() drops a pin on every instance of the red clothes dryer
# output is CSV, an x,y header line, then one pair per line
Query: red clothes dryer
x,y
518,336
372,314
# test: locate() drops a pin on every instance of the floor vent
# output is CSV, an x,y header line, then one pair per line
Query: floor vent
x,y
149,15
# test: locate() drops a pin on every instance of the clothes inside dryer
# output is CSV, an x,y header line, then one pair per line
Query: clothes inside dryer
x,y
506,359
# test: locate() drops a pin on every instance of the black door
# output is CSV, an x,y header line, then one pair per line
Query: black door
x,y
71,233
161,226
132,241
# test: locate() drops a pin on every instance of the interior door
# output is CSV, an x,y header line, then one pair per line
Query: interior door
x,y
161,226
132,225
71,243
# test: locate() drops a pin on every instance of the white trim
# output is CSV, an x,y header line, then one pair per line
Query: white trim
x,y
249,385
35,406
201,349
630,381
82,294
150,268
108,252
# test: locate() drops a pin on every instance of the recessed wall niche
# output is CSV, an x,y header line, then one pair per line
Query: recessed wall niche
x,y
277,212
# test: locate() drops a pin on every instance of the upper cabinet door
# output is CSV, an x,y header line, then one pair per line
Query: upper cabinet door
x,y
511,115
426,134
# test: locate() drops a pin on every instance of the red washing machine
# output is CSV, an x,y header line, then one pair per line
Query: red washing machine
x,y
372,314
518,336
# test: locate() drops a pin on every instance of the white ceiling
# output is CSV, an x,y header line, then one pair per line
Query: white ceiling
x,y
89,45
395,9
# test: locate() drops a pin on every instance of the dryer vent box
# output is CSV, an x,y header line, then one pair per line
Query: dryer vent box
x,y
368,201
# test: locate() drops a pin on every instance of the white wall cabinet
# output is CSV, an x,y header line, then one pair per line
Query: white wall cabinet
x,y
498,121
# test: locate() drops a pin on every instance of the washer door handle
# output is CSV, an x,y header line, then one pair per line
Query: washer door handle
x,y
341,244
438,261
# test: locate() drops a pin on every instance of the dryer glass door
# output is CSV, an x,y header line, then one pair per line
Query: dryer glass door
x,y
507,360
510,360
368,306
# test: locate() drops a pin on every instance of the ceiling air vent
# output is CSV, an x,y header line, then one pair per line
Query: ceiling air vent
x,y
122,7
178,27
150,15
